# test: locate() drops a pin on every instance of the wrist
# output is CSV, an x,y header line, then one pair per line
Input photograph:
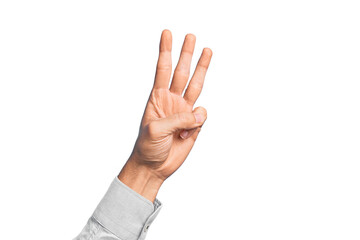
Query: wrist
x,y
140,179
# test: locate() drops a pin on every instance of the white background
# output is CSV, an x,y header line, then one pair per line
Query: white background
x,y
278,157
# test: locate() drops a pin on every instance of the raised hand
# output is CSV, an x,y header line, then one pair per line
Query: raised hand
x,y
170,125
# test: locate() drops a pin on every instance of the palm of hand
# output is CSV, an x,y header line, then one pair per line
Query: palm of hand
x,y
162,150
165,152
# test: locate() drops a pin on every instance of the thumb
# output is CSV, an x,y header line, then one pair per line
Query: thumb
x,y
186,133
182,120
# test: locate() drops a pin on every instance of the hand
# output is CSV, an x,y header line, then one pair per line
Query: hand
x,y
170,125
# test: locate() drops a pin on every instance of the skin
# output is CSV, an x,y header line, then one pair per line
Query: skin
x,y
170,124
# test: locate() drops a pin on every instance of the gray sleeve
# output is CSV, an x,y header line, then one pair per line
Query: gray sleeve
x,y
122,214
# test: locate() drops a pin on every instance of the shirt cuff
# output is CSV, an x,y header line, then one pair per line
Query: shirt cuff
x,y
125,213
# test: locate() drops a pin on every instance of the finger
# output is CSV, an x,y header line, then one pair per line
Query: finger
x,y
195,134
163,67
197,81
182,70
187,133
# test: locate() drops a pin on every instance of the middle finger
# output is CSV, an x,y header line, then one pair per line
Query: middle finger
x,y
182,70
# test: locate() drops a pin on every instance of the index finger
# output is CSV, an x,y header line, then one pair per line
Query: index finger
x,y
164,67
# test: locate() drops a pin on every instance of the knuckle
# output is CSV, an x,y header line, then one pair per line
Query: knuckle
x,y
182,70
163,67
202,110
205,67
197,86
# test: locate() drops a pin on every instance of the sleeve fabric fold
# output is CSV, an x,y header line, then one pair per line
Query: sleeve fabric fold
x,y
121,214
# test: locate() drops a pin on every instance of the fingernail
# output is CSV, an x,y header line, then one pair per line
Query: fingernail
x,y
199,117
184,134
